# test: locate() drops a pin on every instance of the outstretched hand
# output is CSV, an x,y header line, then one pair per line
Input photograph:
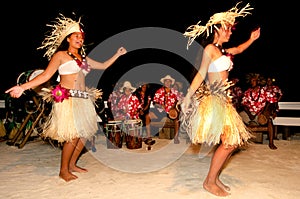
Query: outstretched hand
x,y
122,51
15,91
255,34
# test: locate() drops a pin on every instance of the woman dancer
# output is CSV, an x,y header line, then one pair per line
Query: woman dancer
x,y
73,117
208,114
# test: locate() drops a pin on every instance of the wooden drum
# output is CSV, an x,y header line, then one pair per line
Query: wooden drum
x,y
114,134
133,130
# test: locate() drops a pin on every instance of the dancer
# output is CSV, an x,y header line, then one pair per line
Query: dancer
x,y
73,118
208,114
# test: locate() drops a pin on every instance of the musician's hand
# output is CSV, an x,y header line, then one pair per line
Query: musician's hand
x,y
141,112
252,117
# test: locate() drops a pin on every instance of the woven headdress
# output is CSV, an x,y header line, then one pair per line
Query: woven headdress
x,y
223,18
60,29
260,79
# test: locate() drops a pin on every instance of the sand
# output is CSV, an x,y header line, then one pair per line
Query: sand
x,y
167,171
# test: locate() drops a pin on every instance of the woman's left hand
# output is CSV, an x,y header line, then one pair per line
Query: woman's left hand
x,y
122,51
255,34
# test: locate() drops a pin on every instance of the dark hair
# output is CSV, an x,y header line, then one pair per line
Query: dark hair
x,y
137,93
65,44
205,40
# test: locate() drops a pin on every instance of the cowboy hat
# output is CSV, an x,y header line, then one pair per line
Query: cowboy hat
x,y
127,84
162,80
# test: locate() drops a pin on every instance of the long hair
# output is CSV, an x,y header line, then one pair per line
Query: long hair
x,y
137,92
205,39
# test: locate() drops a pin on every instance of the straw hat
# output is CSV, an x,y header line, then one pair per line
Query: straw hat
x,y
223,18
261,80
127,84
61,28
162,80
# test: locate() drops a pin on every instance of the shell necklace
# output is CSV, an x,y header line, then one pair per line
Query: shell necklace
x,y
82,64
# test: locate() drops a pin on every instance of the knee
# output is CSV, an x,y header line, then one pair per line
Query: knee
x,y
228,148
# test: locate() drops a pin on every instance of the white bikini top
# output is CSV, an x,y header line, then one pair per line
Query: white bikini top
x,y
223,63
70,67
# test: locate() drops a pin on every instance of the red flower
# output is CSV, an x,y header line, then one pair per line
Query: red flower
x,y
59,93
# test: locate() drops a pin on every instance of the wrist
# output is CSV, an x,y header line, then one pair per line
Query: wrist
x,y
189,93
22,88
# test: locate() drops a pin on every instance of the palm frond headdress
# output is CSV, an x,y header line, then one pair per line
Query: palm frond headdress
x,y
223,18
61,28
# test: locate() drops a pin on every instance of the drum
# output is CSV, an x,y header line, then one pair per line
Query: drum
x,y
262,119
133,130
114,134
29,75
32,102
174,112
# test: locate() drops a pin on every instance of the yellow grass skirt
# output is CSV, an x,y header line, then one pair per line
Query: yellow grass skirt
x,y
72,118
212,115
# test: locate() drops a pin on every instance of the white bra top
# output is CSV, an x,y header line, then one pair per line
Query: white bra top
x,y
223,63
70,67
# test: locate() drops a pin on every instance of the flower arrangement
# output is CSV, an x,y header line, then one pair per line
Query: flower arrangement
x,y
60,93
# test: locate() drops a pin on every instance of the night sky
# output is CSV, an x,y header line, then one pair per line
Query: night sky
x,y
24,26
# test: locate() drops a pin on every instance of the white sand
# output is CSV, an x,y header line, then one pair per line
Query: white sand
x,y
167,171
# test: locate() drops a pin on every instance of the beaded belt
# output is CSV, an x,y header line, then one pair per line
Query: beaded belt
x,y
78,93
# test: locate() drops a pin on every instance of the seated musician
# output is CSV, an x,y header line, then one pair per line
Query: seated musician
x,y
122,107
255,107
274,95
139,106
165,100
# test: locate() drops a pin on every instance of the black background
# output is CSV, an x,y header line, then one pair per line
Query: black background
x,y
274,53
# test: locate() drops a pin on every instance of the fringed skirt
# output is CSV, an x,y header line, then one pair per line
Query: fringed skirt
x,y
72,118
211,116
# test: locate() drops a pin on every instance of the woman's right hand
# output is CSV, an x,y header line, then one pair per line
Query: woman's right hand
x,y
15,91
184,106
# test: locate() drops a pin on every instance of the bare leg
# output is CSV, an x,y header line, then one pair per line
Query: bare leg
x,y
217,162
72,165
219,182
148,139
148,129
271,134
176,140
93,144
66,154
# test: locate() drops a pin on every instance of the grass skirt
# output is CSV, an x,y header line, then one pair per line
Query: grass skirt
x,y
72,118
212,115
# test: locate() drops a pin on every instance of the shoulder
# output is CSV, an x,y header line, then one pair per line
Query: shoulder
x,y
212,51
62,56
210,48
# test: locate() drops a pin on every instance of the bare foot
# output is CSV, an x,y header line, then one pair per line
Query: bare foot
x,y
272,146
67,176
222,186
78,169
215,189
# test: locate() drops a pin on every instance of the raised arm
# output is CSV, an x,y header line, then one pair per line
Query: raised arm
x,y
104,65
255,34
